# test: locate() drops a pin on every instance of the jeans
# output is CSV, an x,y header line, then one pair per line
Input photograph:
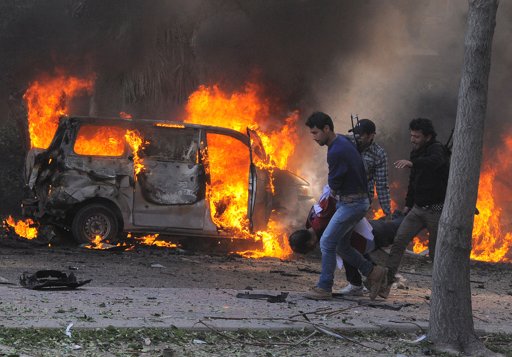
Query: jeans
x,y
336,237
416,220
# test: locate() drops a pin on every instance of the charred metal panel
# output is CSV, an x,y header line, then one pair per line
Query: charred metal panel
x,y
102,167
190,216
167,183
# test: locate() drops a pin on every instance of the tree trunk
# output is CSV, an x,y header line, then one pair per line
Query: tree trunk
x,y
451,320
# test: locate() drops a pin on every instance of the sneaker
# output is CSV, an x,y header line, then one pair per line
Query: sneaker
x,y
376,280
316,293
352,290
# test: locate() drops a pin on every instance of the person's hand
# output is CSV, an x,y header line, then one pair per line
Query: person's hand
x,y
400,164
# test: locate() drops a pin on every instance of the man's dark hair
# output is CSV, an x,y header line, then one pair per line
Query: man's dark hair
x,y
319,120
299,241
424,125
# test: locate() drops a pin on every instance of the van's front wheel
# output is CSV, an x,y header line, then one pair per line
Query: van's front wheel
x,y
93,221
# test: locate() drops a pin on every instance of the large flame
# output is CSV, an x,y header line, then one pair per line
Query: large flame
x,y
490,242
47,100
229,159
228,191
242,110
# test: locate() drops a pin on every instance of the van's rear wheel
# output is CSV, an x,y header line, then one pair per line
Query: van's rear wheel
x,y
95,220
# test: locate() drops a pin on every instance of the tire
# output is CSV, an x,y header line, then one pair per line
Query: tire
x,y
95,220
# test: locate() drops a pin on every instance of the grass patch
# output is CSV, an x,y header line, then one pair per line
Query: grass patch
x,y
113,341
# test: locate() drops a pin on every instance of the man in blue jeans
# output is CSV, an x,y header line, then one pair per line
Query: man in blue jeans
x,y
347,182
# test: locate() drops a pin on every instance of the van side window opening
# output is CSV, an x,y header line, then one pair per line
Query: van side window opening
x,y
99,140
171,144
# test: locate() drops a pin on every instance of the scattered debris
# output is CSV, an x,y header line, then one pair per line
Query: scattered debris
x,y
270,298
68,330
283,273
156,265
198,342
418,340
50,279
376,305
4,281
168,352
309,270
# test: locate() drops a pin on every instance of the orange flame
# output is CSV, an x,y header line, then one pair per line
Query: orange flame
x,y
136,142
242,110
152,240
228,191
47,100
274,241
170,125
379,213
97,243
490,243
22,228
419,246
100,140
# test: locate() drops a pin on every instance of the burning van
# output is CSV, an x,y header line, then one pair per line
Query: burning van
x,y
103,177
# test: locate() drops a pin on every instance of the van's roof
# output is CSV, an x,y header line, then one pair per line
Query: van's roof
x,y
177,124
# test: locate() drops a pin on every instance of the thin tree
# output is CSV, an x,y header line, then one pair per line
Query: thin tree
x,y
451,320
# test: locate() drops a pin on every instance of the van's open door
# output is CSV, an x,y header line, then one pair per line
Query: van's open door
x,y
260,193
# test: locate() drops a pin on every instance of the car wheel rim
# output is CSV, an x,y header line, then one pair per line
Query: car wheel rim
x,y
97,225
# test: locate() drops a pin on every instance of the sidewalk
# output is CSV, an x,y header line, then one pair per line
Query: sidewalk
x,y
98,307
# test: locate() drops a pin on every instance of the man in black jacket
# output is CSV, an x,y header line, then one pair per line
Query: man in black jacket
x,y
429,163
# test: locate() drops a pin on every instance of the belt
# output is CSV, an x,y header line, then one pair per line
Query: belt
x,y
350,198
435,207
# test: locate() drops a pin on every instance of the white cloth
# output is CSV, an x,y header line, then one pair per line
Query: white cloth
x,y
326,191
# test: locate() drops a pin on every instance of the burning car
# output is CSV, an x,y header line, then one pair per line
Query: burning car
x,y
102,177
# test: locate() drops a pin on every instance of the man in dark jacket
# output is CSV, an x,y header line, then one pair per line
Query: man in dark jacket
x,y
429,164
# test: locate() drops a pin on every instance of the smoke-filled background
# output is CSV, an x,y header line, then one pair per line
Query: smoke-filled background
x,y
389,61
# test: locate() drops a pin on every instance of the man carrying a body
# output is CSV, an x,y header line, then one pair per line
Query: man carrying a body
x,y
347,182
382,231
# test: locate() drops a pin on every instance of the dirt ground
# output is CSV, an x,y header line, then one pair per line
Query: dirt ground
x,y
151,287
